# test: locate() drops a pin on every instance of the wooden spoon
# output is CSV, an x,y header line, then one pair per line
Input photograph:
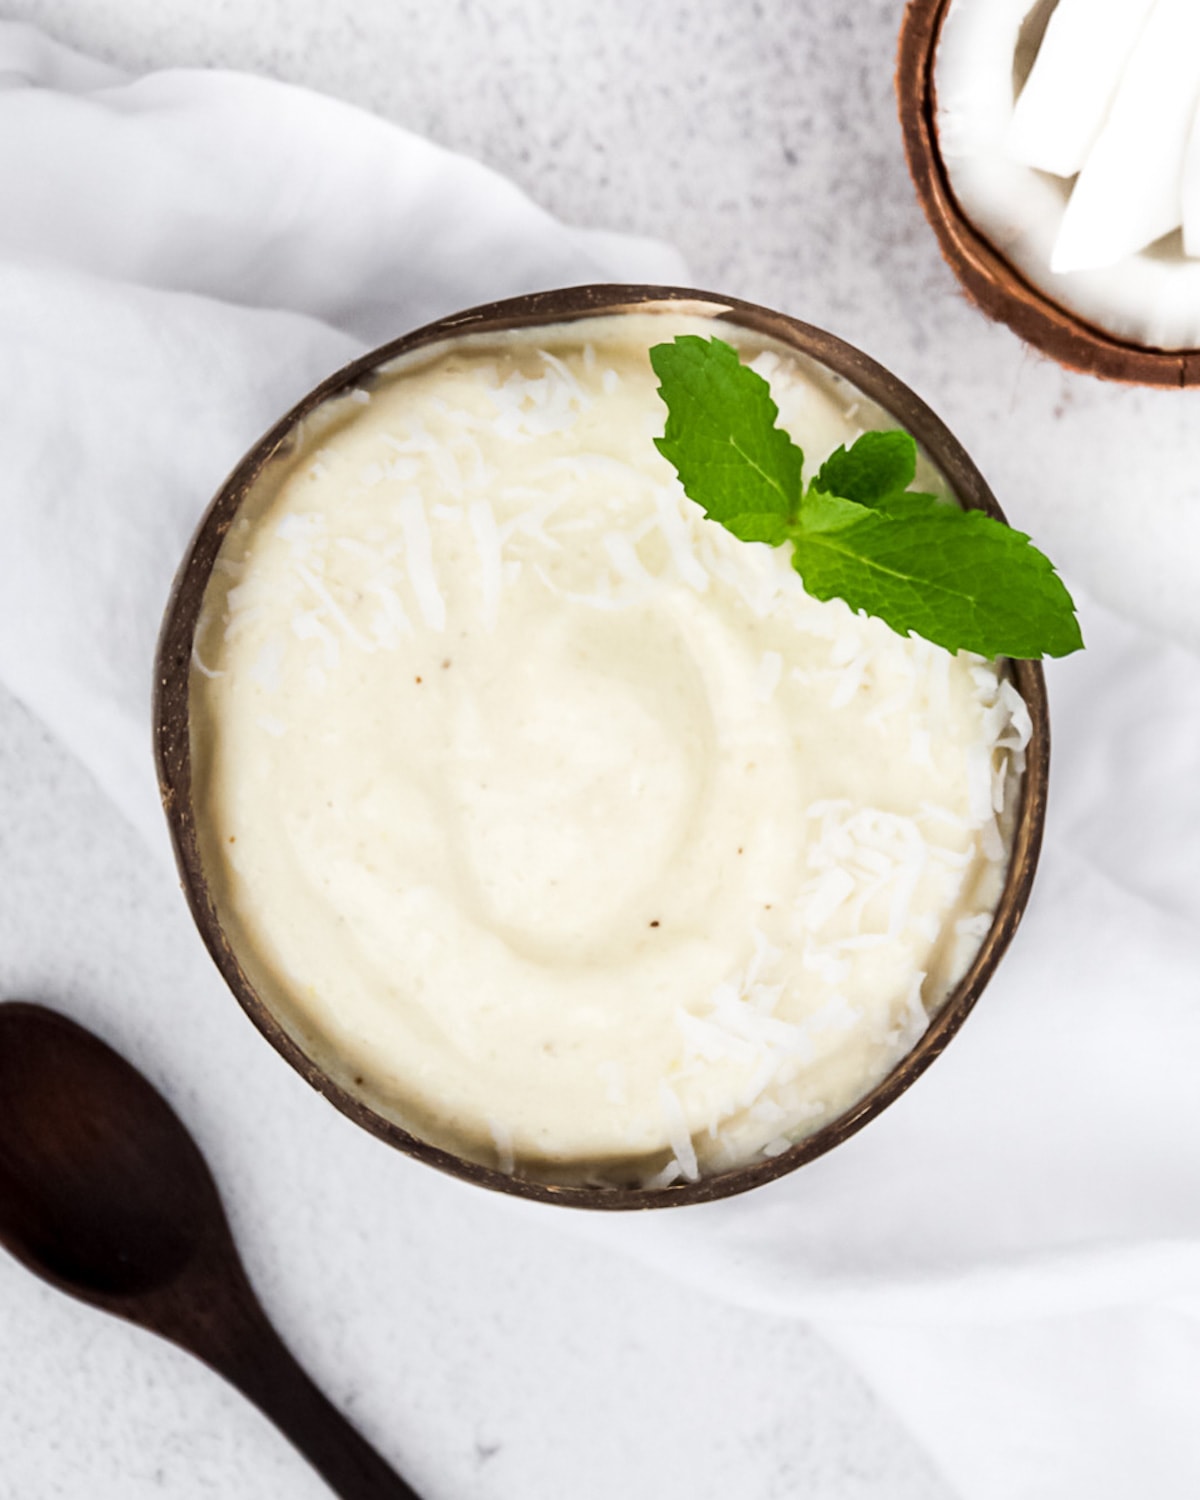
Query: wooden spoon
x,y
104,1194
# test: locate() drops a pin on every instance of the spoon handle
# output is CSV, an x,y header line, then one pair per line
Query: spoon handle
x,y
242,1345
275,1382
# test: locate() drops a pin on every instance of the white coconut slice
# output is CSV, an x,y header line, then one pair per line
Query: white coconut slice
x,y
1129,193
1152,297
974,80
1079,64
1190,191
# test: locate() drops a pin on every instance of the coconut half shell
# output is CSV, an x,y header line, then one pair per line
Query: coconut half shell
x,y
988,279
172,732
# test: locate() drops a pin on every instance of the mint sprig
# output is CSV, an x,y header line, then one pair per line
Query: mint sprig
x,y
858,532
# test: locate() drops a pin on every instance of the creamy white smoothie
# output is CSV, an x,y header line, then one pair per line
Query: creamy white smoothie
x,y
558,824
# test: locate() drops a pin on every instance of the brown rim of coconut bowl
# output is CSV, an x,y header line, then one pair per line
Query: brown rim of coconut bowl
x,y
173,738
988,279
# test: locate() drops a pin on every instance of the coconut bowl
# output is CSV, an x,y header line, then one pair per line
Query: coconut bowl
x,y
985,275
172,732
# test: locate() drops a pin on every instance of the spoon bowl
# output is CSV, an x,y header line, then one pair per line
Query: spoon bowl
x,y
104,1194
102,1188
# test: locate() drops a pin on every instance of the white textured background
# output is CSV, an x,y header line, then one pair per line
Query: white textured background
x,y
488,1360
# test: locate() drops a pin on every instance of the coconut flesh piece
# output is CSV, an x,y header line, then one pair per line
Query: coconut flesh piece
x,y
1063,105
1148,296
1191,191
1130,190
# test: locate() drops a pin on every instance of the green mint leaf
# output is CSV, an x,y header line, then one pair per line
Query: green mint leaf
x,y
761,528
919,563
958,578
912,503
877,466
721,436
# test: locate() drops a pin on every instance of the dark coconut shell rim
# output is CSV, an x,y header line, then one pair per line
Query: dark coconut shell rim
x,y
989,280
172,732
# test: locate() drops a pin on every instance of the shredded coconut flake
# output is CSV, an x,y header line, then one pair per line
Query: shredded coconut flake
x,y
1022,724
669,1174
333,609
482,520
502,1138
418,546
979,784
977,925
209,672
678,1135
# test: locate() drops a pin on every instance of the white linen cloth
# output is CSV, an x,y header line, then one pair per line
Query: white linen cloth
x,y
1012,1253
